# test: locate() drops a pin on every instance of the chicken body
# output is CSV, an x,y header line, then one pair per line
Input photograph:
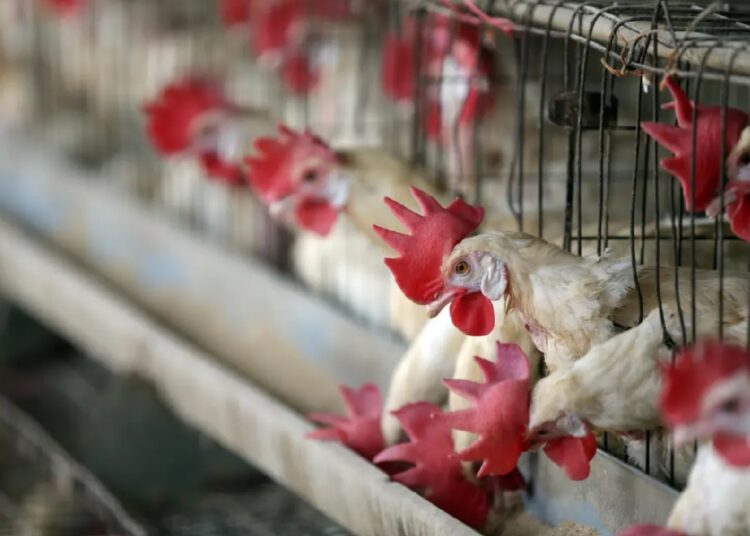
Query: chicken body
x,y
565,301
639,350
716,501
430,358
576,310
570,304
614,386
457,359
340,264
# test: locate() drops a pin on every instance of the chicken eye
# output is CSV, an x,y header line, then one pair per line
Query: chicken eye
x,y
744,159
310,175
461,268
730,406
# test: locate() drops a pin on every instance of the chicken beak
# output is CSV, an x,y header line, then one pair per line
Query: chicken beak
x,y
335,189
434,308
281,208
535,445
682,435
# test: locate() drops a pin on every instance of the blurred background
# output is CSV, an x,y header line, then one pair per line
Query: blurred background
x,y
150,296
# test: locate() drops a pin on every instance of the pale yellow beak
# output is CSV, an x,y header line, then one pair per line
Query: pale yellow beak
x,y
281,209
434,308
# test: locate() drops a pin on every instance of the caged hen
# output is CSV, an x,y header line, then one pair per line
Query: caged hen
x,y
334,194
441,351
568,303
570,306
202,134
642,344
737,194
721,134
705,398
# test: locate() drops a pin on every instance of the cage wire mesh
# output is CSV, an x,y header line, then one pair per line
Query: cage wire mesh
x,y
557,143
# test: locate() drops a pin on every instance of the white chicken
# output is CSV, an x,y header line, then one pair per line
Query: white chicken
x,y
706,398
573,309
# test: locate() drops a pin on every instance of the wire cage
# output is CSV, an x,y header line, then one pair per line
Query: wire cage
x,y
552,139
614,58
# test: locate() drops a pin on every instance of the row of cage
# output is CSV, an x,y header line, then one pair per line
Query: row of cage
x,y
540,121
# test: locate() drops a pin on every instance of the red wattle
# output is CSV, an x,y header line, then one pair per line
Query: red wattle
x,y
316,216
397,69
739,217
299,75
473,314
695,371
735,450
235,12
66,7
573,455
220,170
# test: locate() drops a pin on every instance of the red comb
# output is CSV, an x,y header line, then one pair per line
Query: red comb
x,y
398,58
271,170
65,7
678,140
298,73
464,46
333,9
436,471
172,115
274,25
433,235
360,429
441,38
235,12
697,369
217,168
572,454
649,530
397,68
500,413
278,25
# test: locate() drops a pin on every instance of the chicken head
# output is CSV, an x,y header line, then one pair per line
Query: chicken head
x,y
433,270
737,190
298,176
704,172
192,116
706,396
